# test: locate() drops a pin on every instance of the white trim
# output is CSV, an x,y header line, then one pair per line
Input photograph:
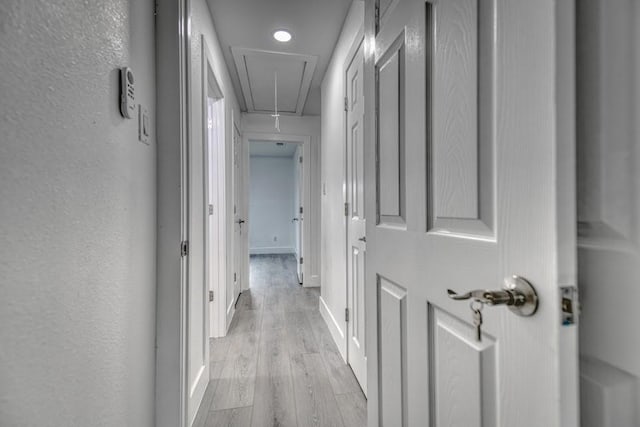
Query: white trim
x,y
334,328
271,250
315,281
229,311
173,59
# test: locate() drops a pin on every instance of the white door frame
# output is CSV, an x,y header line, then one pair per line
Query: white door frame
x,y
173,59
211,89
305,141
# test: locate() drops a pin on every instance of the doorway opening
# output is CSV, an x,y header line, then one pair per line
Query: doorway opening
x,y
277,195
276,210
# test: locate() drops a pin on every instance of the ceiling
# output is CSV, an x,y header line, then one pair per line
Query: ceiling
x,y
271,149
245,28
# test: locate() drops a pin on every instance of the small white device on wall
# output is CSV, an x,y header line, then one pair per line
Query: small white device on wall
x,y
127,93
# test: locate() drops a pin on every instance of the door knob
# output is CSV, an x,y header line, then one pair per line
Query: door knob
x,y
363,239
517,294
241,221
294,219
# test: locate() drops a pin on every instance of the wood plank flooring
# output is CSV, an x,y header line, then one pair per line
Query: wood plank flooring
x,y
278,366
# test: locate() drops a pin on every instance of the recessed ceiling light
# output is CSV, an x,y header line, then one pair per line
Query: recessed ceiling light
x,y
282,35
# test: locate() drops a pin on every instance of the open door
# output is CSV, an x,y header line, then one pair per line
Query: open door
x,y
356,222
471,195
239,228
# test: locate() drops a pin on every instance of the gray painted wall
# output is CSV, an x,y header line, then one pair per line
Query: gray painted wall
x,y
271,204
78,209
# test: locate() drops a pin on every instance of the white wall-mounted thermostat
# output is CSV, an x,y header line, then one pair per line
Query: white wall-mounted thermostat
x,y
127,93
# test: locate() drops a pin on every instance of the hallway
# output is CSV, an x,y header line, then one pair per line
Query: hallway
x,y
278,366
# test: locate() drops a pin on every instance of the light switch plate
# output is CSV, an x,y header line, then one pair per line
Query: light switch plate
x,y
144,124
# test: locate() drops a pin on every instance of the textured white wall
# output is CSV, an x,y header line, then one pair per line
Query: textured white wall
x,y
77,210
333,244
296,125
271,204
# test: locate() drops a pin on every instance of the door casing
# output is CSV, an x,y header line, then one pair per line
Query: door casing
x,y
305,142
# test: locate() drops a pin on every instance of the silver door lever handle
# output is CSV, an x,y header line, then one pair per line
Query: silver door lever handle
x,y
517,294
488,297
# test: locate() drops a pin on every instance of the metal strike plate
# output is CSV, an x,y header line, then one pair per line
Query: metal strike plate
x,y
569,305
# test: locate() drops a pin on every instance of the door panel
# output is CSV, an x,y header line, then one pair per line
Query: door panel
x,y
391,180
472,184
463,373
393,353
462,146
608,96
356,222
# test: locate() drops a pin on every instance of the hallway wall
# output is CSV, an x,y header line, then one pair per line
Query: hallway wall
x,y
271,205
299,125
78,209
333,299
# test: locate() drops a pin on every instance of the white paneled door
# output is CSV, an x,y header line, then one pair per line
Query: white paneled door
x,y
470,181
356,223
298,215
239,227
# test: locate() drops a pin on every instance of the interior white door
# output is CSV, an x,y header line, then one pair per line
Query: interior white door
x,y
470,180
356,223
298,216
608,148
239,222
197,301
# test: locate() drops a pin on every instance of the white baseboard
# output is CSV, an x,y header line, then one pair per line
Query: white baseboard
x,y
314,282
334,328
271,250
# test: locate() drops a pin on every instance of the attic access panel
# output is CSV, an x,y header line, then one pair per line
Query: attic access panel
x,y
256,70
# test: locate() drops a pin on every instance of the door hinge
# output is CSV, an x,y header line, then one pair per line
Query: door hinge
x,y
184,248
300,159
377,16
301,210
210,296
346,209
210,209
235,277
346,314
301,260
346,104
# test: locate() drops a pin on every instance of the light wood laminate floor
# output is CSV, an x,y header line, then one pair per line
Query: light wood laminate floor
x,y
279,366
